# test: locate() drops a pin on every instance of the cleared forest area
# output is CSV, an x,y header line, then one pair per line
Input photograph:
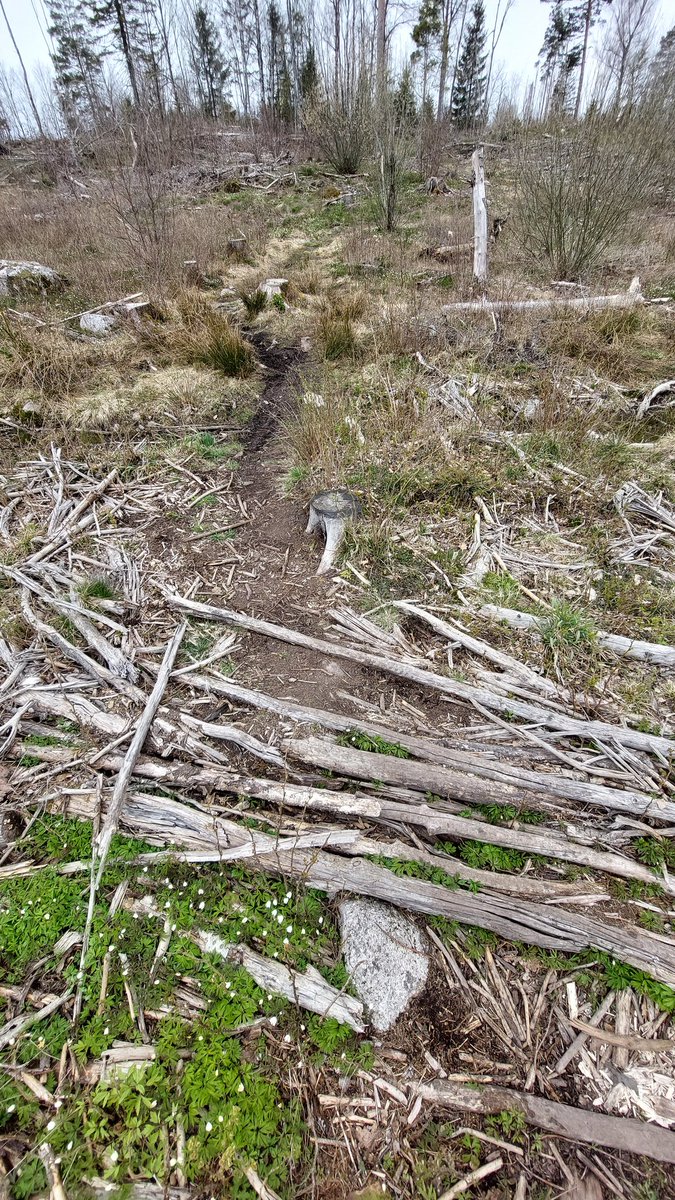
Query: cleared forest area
x,y
208,751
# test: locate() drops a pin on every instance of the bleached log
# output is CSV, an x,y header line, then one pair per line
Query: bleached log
x,y
162,821
581,303
578,1124
551,719
308,989
424,778
480,218
649,652
544,789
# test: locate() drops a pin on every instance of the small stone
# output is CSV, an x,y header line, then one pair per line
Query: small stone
x,y
385,956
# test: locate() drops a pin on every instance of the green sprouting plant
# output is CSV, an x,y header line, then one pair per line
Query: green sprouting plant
x,y
510,1123
372,742
655,852
278,302
97,588
564,625
415,870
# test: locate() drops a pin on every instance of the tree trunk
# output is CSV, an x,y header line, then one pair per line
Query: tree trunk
x,y
584,52
480,219
29,93
381,41
123,30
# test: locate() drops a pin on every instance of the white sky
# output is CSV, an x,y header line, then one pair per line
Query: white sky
x,y
517,53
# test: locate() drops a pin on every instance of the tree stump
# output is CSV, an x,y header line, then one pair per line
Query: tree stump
x,y
331,512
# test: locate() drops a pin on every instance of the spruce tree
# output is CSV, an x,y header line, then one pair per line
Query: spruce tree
x,y
468,98
210,68
309,75
77,62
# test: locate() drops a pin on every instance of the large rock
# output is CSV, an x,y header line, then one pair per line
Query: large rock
x,y
98,323
16,278
385,955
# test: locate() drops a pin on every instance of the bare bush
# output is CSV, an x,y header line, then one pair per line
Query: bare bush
x,y
341,127
578,188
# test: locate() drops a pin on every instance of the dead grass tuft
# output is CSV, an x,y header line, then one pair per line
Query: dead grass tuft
x,y
48,363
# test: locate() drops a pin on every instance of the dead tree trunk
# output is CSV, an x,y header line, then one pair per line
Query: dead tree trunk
x,y
480,219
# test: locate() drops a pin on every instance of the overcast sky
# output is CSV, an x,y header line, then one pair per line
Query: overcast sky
x,y
521,40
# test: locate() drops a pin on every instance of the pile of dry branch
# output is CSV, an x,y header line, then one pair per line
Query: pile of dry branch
x,y
108,666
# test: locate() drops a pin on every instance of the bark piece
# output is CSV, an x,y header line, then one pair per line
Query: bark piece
x,y
581,1125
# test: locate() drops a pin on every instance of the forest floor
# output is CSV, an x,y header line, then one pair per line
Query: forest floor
x,y
503,468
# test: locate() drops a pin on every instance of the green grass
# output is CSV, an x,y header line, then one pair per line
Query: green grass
x,y
254,302
228,1095
372,742
565,626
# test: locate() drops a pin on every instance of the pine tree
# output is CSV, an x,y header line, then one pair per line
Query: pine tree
x,y
425,34
210,68
561,53
77,62
469,90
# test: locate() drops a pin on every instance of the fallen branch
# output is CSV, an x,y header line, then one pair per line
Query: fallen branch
x,y
585,303
142,729
581,1125
545,788
587,730
160,820
463,1185
650,652
425,778
643,1045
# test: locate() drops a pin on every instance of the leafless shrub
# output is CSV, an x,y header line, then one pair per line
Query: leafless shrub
x,y
341,127
578,187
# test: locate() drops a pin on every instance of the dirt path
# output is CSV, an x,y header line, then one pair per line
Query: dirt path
x,y
276,578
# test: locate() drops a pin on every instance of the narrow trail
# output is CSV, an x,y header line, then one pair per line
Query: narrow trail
x,y
276,578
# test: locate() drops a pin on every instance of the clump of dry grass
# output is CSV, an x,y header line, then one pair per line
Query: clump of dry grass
x,y
204,336
632,345
336,324
46,362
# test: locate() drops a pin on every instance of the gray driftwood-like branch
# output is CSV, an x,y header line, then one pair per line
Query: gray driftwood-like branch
x,y
584,303
508,705
578,1124
156,819
649,652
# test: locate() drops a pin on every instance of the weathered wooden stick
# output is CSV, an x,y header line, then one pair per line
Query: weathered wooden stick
x,y
649,652
454,632
308,989
538,924
625,1041
586,303
63,531
587,730
480,218
579,1124
143,728
51,1166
